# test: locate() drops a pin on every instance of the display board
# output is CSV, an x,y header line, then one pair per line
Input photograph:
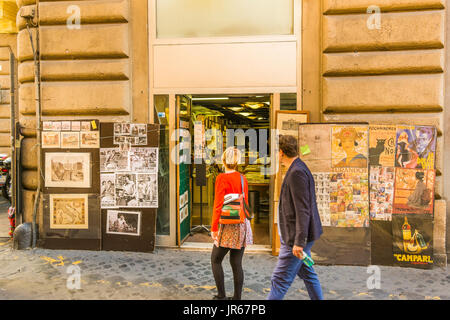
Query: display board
x,y
129,185
337,155
70,184
402,178
385,173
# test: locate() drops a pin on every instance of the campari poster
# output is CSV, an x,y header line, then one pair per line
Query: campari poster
x,y
412,240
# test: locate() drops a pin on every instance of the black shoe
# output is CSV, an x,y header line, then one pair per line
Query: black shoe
x,y
219,298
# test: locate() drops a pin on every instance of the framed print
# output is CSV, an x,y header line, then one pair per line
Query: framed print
x,y
69,211
123,222
47,125
67,170
85,126
65,126
76,125
56,125
89,139
51,139
287,122
70,140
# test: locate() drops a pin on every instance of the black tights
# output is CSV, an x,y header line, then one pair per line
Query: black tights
x,y
236,255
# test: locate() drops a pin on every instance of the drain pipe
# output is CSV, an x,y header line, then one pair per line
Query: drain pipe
x,y
29,16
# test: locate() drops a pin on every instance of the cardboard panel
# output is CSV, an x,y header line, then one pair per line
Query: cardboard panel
x,y
381,242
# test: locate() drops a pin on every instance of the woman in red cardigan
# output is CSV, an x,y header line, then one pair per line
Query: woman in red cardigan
x,y
230,237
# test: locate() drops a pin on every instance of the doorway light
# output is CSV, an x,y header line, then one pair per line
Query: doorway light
x,y
203,99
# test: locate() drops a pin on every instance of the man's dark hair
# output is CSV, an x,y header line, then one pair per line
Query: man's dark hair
x,y
289,145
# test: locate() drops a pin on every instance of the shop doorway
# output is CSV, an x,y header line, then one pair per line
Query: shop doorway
x,y
218,119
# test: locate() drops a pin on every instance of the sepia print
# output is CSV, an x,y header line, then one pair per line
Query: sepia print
x,y
147,187
89,139
69,211
144,159
70,140
67,170
51,139
126,190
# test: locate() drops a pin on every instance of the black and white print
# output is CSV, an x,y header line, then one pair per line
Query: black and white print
x,y
126,190
144,160
123,223
147,190
108,190
112,159
322,184
132,133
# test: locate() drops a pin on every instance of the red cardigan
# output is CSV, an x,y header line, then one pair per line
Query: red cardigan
x,y
226,183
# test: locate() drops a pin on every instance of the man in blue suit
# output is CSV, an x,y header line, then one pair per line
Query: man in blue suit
x,y
298,224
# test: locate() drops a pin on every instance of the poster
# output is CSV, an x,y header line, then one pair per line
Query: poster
x,y
412,240
108,190
382,145
349,146
144,159
288,122
51,139
382,181
415,147
69,211
349,197
126,190
130,133
123,223
322,185
315,147
67,170
147,184
414,191
112,159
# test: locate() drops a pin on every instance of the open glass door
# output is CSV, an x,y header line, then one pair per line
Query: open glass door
x,y
184,203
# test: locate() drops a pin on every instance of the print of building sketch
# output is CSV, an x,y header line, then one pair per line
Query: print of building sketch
x,y
349,146
85,126
89,139
349,197
50,139
112,159
287,122
131,133
415,147
123,223
414,191
69,211
70,140
382,145
68,170
322,184
318,140
126,190
381,192
108,190
47,125
144,159
147,187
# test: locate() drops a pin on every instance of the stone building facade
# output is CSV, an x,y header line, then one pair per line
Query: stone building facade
x,y
355,66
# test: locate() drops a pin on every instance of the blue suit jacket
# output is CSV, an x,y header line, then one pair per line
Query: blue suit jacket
x,y
299,219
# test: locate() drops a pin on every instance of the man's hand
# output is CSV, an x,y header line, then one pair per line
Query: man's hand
x,y
214,235
298,252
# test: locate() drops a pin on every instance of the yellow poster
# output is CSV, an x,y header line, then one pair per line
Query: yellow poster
x,y
382,145
349,146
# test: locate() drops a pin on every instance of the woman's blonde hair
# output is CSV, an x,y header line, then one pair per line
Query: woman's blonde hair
x,y
231,158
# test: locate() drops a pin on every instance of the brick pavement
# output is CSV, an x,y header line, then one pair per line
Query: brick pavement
x,y
180,274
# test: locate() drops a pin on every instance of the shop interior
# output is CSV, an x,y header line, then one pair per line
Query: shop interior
x,y
220,113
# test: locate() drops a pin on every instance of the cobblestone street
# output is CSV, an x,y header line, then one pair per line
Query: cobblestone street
x,y
176,274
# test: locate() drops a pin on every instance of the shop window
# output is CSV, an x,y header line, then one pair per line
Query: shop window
x,y
222,18
161,117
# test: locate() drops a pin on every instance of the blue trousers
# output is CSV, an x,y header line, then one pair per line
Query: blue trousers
x,y
288,266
